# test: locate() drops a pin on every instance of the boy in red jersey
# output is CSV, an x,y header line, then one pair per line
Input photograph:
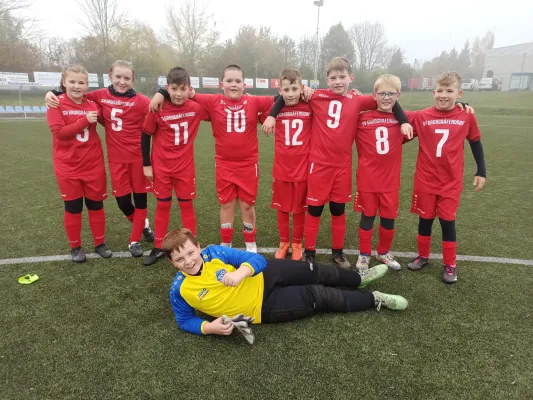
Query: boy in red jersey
x,y
123,112
79,161
234,124
335,116
441,132
172,163
291,155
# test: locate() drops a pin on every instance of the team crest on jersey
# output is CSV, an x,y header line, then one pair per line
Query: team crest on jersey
x,y
220,274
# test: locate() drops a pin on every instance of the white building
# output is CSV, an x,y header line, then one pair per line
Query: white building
x,y
512,65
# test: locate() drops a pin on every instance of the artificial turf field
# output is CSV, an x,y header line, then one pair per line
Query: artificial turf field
x,y
104,329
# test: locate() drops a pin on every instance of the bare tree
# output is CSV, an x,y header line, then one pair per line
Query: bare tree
x,y
189,32
8,6
103,20
370,45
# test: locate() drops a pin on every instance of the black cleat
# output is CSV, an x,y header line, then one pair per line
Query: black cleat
x,y
418,263
103,251
309,258
78,255
148,234
135,249
339,258
154,255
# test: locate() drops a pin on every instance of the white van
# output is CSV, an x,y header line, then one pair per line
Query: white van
x,y
469,84
489,84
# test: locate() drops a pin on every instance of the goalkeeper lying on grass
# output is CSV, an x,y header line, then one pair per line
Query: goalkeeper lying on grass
x,y
223,282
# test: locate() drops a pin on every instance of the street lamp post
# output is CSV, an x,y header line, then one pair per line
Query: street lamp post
x,y
318,3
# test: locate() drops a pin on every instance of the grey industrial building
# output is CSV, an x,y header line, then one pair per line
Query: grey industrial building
x,y
512,66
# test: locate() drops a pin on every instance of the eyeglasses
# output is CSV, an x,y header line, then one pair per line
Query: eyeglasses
x,y
384,95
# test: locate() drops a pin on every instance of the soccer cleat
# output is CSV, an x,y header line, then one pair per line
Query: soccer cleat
x,y
389,261
418,263
296,252
362,263
372,274
449,275
251,247
282,251
309,257
78,255
223,244
135,249
147,232
154,255
103,251
392,301
340,259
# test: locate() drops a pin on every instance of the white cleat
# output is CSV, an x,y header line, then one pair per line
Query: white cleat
x,y
389,261
362,263
251,247
223,244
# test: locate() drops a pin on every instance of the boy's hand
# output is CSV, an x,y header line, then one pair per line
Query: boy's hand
x,y
479,182
356,92
149,173
218,327
307,93
157,102
192,93
92,117
51,100
407,130
269,125
465,107
232,278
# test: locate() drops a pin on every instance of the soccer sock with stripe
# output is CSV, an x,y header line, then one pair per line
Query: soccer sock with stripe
x,y
283,227
312,225
162,219
338,231
97,223
72,224
385,240
449,250
139,217
298,223
188,216
365,241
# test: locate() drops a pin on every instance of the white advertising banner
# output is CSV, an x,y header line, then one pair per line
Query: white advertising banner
x,y
195,82
93,80
162,80
107,81
48,78
249,82
261,83
210,82
305,82
13,78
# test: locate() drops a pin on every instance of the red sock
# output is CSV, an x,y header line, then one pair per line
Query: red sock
x,y
283,226
97,223
311,231
226,235
338,230
249,237
449,252
424,245
138,224
131,217
188,216
161,221
365,241
385,240
298,222
72,224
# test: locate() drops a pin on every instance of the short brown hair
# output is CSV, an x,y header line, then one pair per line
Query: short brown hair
x,y
290,74
178,76
448,78
122,63
176,239
339,64
77,69
232,67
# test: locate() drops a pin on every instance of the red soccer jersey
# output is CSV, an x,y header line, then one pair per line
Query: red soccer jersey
x,y
123,121
234,125
440,162
174,129
334,124
379,152
292,142
76,149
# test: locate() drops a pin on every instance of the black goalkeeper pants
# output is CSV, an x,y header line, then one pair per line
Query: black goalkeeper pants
x,y
293,291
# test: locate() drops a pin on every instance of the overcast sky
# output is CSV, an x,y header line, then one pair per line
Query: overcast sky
x,y
422,28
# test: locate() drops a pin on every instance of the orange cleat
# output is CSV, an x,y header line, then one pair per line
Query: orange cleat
x,y
296,251
282,251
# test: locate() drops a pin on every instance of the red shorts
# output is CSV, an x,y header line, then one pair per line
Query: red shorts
x,y
183,185
326,183
236,181
431,205
289,196
369,203
127,178
92,186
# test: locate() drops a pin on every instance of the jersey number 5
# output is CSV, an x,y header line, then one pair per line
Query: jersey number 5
x,y
297,124
445,133
239,121
116,125
176,127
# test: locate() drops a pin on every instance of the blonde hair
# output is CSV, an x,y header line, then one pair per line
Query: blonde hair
x,y
388,79
176,239
290,74
339,64
122,63
449,78
77,69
